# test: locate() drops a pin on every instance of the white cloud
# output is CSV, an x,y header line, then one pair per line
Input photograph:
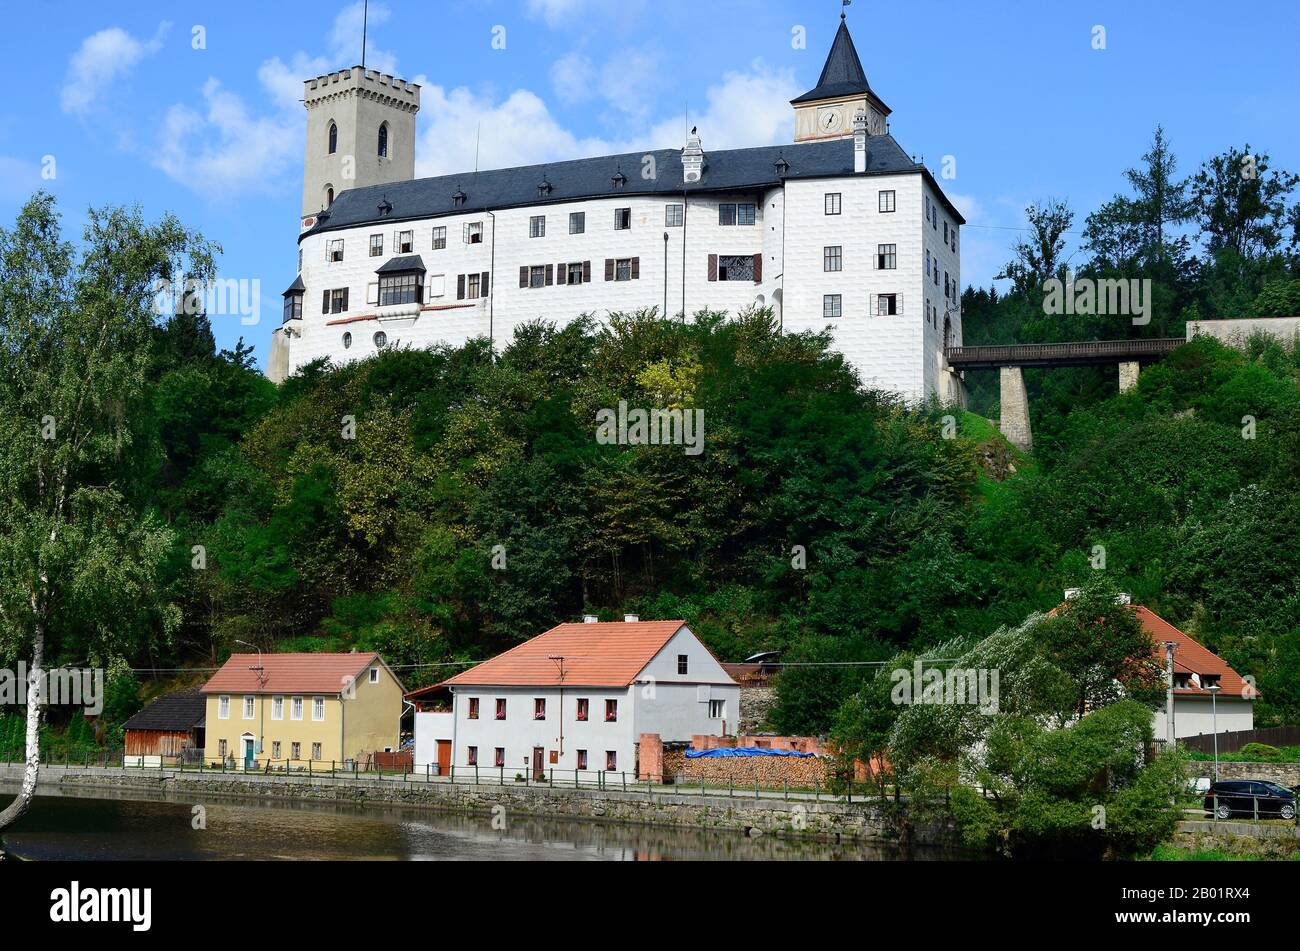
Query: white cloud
x,y
746,108
574,78
555,12
102,58
345,39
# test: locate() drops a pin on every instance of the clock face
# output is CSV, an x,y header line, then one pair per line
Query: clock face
x,y
829,120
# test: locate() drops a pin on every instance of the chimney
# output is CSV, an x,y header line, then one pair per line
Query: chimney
x,y
860,142
631,618
692,159
589,619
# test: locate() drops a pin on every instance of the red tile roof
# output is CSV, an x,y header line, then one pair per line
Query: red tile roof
x,y
289,673
1191,657
605,654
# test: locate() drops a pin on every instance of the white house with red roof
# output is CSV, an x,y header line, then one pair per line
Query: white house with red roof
x,y
578,697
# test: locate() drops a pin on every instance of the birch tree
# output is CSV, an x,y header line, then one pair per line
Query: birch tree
x,y
81,552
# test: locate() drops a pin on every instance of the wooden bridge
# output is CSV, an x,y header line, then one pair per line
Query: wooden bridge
x,y
1078,354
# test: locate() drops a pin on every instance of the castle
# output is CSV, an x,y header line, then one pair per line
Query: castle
x,y
838,229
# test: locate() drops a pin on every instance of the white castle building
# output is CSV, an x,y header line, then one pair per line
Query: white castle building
x,y
838,229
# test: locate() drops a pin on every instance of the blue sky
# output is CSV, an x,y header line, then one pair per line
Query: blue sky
x,y
132,113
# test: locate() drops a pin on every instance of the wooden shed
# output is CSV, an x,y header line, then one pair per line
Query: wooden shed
x,y
170,728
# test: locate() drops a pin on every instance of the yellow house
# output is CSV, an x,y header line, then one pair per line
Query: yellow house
x,y
292,710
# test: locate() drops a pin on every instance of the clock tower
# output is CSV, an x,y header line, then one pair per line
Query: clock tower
x,y
826,111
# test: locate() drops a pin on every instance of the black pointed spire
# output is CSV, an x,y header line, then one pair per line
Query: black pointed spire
x,y
843,74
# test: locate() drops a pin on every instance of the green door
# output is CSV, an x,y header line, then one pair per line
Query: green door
x,y
248,753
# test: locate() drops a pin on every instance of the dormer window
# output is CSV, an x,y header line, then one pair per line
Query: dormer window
x,y
782,167
385,207
383,140
619,179
333,138
543,189
458,198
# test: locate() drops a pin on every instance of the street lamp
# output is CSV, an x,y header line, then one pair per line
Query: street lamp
x,y
1214,689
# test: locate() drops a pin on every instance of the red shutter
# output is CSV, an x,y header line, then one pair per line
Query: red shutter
x,y
758,269
609,269
523,275
460,287
636,268
586,272
483,284
325,303
550,274
713,267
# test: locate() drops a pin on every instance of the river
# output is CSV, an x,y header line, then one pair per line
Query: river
x,y
107,825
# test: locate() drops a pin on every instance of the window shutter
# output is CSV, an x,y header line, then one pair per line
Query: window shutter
x,y
758,269
483,285
550,274
523,275
460,287
899,299
713,267
562,273
325,303
636,268
609,269
345,299
586,272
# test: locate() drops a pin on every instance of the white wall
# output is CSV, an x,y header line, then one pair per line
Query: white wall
x,y
429,728
1192,717
675,705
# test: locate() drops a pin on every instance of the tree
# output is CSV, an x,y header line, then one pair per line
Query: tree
x,y
80,556
1241,203
1161,199
1038,257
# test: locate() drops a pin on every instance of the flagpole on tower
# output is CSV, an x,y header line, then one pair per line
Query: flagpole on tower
x,y
365,17
843,7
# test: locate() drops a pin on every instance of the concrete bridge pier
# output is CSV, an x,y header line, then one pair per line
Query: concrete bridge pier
x,y
1128,375
1015,409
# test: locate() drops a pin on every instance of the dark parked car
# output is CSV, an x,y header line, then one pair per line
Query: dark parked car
x,y
1238,797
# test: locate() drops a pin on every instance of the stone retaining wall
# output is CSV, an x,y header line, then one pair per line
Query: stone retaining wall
x,y
1287,774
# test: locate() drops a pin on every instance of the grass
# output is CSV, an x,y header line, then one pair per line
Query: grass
x,y
1172,853
1286,754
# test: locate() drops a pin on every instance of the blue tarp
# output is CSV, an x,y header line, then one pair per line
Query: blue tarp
x,y
743,751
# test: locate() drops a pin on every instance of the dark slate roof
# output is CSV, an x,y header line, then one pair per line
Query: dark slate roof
x,y
729,170
297,287
174,711
409,262
843,74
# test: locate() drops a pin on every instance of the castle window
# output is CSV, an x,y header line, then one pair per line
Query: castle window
x,y
622,219
736,214
334,250
887,199
833,258
889,305
334,138
381,340
439,238
383,140
537,226
577,222
403,288
579,272
886,257
832,203
347,340
458,198
292,306
746,213
473,232
674,215
335,301
405,242
376,245
831,305
727,214
736,267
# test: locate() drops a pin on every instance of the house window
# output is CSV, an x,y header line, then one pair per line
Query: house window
x,y
473,708
887,305
277,708
886,256
248,708
832,258
582,709
537,275
275,749
473,232
374,675
582,759
577,222
334,138
537,226
376,245
682,663
736,267
674,215
334,250
886,199
832,203
576,273
539,708
223,708
383,140
336,301
471,755
501,708
295,708
611,761
611,711
318,709
222,748
622,219
499,759
439,238
716,710
405,242
381,340
406,287
315,751
295,751
831,305
473,285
